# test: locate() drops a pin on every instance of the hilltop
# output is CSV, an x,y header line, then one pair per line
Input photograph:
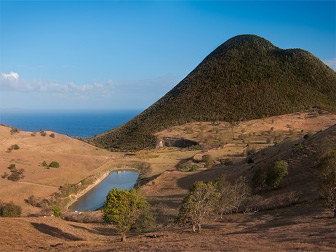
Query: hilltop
x,y
245,78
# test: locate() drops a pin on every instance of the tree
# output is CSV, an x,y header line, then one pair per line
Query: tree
x,y
57,212
126,209
199,205
232,195
275,173
328,186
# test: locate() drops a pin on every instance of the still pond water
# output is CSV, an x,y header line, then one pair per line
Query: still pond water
x,y
95,198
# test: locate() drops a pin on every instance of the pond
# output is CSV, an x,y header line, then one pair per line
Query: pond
x,y
95,198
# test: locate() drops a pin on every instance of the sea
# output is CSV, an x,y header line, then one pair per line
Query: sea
x,y
74,123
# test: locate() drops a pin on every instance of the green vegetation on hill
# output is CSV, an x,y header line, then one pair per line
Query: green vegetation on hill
x,y
245,78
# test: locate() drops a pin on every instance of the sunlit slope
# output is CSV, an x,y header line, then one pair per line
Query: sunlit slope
x,y
247,77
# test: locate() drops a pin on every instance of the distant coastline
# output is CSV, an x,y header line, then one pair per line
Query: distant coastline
x,y
75,123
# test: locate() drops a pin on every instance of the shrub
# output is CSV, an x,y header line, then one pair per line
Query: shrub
x,y
56,211
5,175
32,200
226,161
54,164
52,135
44,163
200,204
43,133
14,130
250,160
125,209
11,166
297,147
232,195
10,210
259,177
275,173
13,147
33,133
208,160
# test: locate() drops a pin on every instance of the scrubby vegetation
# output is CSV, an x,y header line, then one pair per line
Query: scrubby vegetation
x,y
270,176
232,195
199,205
14,130
9,210
13,147
126,209
15,174
245,78
54,164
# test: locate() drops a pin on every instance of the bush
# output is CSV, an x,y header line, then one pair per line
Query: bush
x,y
52,135
43,133
208,160
259,177
44,163
191,168
297,147
11,166
275,173
226,161
54,164
33,201
250,160
14,130
33,133
199,205
13,147
56,211
10,210
126,209
232,195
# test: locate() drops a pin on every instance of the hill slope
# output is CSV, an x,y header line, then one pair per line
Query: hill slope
x,y
247,77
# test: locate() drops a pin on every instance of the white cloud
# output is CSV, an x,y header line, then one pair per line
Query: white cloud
x,y
11,75
12,82
331,63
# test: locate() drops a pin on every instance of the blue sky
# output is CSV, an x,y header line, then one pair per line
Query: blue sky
x,y
128,54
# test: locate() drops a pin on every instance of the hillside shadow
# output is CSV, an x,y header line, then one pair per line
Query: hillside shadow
x,y
55,232
206,175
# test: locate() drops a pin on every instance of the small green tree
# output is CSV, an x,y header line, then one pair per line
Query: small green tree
x,y
126,209
57,212
275,173
199,205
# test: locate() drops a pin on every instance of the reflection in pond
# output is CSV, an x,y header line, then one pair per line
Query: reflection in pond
x,y
95,198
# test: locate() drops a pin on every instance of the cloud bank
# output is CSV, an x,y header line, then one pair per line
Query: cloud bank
x,y
12,82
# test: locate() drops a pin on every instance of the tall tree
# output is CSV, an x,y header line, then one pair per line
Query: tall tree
x,y
126,209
